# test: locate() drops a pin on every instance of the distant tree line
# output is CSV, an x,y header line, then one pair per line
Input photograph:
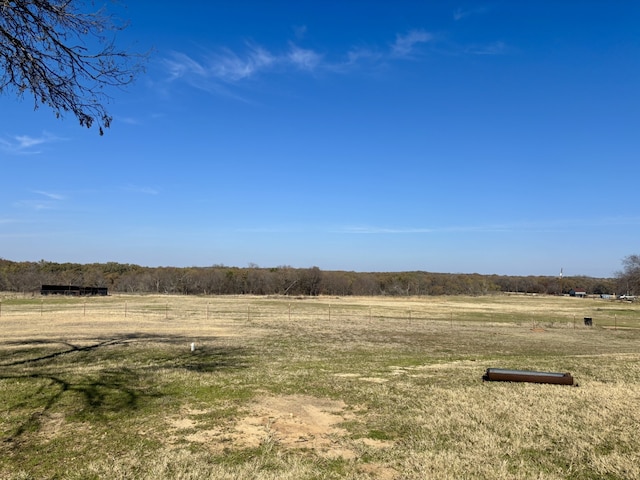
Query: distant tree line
x,y
284,280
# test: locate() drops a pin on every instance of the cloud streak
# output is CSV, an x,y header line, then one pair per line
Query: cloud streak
x,y
227,67
50,201
551,225
406,44
460,13
25,144
223,70
35,205
52,196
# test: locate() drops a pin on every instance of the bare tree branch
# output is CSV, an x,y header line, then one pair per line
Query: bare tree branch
x,y
62,56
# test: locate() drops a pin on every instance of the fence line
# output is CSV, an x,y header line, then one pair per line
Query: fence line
x,y
285,311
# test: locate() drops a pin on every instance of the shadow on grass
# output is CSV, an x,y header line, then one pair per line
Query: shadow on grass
x,y
71,349
106,378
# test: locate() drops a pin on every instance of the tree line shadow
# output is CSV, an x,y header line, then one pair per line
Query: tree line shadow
x,y
116,388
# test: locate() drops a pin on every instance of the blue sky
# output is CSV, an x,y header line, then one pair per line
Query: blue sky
x,y
497,137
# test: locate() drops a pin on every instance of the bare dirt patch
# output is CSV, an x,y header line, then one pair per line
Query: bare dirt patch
x,y
292,422
51,424
299,421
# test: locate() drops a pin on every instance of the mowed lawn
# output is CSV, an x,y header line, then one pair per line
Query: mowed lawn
x,y
179,387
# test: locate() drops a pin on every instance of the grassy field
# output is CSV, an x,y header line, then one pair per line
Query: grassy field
x,y
316,388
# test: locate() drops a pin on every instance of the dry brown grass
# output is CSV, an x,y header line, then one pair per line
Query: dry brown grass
x,y
316,388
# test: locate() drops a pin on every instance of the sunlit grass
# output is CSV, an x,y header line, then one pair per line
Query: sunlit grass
x,y
89,390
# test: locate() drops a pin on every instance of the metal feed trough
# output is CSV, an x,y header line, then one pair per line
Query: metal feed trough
x,y
505,375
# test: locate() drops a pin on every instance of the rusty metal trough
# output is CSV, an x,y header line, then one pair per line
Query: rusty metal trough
x,y
505,375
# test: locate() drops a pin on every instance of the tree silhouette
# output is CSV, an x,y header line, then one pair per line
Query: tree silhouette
x,y
62,55
629,277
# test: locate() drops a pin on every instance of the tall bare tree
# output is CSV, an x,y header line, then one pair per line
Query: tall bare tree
x,y
64,55
629,277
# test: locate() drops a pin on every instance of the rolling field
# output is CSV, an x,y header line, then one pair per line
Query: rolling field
x,y
177,387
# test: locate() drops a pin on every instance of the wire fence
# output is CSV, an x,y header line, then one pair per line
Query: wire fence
x,y
238,311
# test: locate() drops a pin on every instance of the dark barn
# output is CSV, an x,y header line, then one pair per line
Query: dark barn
x,y
72,290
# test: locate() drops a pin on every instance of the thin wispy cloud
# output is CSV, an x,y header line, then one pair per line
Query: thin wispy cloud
x,y
25,141
549,225
50,195
461,13
225,66
229,67
35,204
26,144
222,70
44,200
405,45
304,59
179,65
362,54
128,120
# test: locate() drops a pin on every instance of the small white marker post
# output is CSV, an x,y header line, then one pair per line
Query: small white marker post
x,y
193,346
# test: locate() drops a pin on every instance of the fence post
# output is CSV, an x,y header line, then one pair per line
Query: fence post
x,y
207,311
248,313
289,312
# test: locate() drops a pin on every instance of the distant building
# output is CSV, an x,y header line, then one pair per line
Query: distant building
x,y
72,290
577,293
